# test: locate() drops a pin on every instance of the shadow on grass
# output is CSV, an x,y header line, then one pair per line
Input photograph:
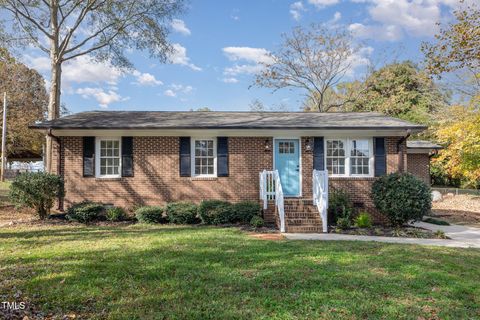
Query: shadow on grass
x,y
192,272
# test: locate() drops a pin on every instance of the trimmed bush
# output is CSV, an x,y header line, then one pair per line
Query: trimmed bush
x,y
343,223
257,222
401,197
85,212
339,205
150,214
215,211
36,190
244,211
363,220
115,214
182,213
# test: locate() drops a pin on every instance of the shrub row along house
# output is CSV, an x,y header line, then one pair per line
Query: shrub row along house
x,y
128,158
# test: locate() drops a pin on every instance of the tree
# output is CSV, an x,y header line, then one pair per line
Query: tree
x,y
27,103
459,132
313,60
401,90
103,29
456,49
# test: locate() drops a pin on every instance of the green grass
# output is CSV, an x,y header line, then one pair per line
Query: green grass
x,y
4,187
155,272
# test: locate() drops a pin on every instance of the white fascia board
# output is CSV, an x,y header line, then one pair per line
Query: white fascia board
x,y
228,133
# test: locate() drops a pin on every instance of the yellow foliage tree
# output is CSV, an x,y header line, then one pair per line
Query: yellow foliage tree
x,y
460,133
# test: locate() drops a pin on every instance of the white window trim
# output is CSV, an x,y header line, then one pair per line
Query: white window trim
x,y
347,143
192,160
97,157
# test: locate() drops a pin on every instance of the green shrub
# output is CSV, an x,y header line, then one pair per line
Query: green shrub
x,y
150,214
343,223
115,214
244,211
440,234
257,222
36,190
182,213
363,220
339,205
86,212
215,211
401,197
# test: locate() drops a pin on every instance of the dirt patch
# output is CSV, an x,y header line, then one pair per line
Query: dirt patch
x,y
267,236
461,209
10,216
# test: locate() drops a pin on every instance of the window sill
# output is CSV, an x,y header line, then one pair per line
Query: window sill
x,y
108,178
351,177
203,178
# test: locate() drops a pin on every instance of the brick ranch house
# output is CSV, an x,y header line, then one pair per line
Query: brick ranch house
x,y
129,158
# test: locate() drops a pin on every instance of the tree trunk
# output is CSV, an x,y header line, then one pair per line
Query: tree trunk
x,y
55,81
53,109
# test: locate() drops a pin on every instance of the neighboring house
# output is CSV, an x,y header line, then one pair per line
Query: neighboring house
x,y
129,158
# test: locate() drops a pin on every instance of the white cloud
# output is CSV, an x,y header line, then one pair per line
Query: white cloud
x,y
395,18
170,93
242,69
175,89
104,98
320,4
296,9
256,55
179,56
180,27
387,32
336,17
358,60
145,79
83,69
230,80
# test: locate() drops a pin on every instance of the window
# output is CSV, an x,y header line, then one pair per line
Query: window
x,y
349,157
204,159
359,157
108,157
336,157
286,147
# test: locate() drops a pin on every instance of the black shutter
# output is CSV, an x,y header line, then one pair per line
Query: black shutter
x,y
318,154
88,156
380,156
222,157
127,156
185,159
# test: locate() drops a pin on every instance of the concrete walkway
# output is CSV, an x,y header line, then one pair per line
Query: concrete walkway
x,y
459,238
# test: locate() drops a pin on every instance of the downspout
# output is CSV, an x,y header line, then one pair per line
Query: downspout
x,y
400,150
59,162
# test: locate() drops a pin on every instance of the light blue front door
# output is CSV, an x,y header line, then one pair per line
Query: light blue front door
x,y
287,162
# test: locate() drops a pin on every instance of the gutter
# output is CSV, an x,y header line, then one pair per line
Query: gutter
x,y
400,150
59,162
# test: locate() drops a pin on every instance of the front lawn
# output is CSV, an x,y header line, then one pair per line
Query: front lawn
x,y
146,272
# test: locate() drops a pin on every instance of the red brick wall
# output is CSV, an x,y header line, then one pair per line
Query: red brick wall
x,y
157,180
419,165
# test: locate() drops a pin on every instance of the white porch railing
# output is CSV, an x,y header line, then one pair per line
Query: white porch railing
x,y
320,195
271,189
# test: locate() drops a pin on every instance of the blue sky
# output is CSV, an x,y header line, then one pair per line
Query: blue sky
x,y
219,44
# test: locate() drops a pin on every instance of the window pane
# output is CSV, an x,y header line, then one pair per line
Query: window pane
x,y
204,157
335,157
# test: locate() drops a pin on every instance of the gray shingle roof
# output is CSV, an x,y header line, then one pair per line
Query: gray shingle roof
x,y
225,120
422,144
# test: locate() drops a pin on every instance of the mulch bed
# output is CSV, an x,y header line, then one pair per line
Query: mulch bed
x,y
461,209
403,232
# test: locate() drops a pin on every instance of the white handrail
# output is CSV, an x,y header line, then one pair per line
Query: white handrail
x,y
271,189
320,195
